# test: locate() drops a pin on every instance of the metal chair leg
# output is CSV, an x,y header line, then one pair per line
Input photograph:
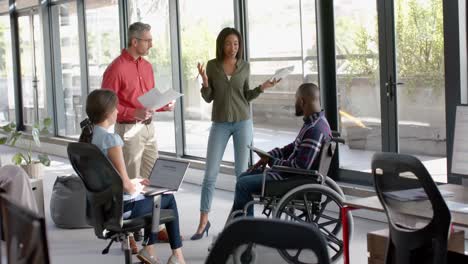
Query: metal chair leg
x,y
127,251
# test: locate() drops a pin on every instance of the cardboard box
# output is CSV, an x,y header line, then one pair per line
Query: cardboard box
x,y
377,244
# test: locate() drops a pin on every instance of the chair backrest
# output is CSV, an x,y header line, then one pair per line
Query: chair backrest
x,y
402,183
275,234
327,153
24,232
103,185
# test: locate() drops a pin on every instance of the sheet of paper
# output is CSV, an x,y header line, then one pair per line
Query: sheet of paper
x,y
460,142
154,99
259,151
281,73
413,194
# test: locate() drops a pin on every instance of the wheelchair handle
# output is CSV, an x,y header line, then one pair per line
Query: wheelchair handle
x,y
338,140
336,137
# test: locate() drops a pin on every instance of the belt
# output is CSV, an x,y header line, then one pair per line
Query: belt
x,y
145,122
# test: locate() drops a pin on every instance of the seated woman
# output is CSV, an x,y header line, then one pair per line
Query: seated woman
x,y
101,108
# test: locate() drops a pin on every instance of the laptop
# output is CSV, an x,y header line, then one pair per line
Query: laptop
x,y
166,175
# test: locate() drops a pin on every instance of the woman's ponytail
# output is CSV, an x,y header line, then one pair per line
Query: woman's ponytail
x,y
87,128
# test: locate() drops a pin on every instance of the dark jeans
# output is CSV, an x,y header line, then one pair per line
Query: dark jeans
x,y
145,207
247,184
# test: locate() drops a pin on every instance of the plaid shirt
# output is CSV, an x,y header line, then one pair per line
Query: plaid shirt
x,y
304,152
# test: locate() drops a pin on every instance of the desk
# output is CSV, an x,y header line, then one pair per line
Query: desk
x,y
372,203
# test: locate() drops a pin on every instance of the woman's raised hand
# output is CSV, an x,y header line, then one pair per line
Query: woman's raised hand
x,y
269,83
202,73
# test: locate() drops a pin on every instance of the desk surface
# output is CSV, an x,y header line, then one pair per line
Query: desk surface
x,y
460,195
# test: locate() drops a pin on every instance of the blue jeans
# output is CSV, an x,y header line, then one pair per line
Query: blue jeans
x,y
219,136
247,184
144,207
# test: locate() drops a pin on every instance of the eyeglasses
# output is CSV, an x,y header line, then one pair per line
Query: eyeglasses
x,y
146,40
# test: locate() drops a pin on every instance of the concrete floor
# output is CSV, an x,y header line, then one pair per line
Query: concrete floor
x,y
81,246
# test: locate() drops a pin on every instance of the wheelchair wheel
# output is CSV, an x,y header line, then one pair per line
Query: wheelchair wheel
x,y
334,186
314,204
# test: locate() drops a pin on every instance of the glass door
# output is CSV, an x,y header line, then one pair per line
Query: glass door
x,y
413,94
358,82
419,45
390,80
32,70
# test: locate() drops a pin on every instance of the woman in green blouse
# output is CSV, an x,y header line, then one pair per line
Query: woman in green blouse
x,y
226,84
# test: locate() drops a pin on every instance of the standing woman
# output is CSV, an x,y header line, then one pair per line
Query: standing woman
x,y
226,83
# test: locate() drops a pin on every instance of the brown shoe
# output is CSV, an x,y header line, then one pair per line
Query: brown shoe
x,y
163,236
133,245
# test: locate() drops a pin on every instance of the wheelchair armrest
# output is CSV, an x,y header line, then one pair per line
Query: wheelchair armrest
x,y
294,170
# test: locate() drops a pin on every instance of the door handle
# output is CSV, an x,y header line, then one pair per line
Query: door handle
x,y
390,86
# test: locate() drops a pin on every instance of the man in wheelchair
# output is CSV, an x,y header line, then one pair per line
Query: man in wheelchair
x,y
302,153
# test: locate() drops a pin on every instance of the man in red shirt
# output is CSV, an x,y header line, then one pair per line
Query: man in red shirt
x,y
131,76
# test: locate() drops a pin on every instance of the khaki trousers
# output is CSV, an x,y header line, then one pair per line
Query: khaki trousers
x,y
140,149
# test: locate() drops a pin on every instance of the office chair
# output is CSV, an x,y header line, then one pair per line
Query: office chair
x,y
300,240
24,232
411,239
104,192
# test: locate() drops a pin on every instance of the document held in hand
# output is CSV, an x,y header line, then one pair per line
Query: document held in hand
x,y
281,73
260,152
154,99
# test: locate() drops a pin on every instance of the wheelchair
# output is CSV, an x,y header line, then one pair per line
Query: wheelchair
x,y
307,196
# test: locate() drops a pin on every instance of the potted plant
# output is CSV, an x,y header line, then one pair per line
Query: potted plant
x,y
25,159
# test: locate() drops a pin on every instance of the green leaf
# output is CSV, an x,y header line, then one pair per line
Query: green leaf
x,y
44,159
44,131
7,128
18,158
14,137
35,134
3,140
47,122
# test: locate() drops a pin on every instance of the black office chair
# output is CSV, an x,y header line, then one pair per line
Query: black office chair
x,y
270,237
24,232
105,197
411,239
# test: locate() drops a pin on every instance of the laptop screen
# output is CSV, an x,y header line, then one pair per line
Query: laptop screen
x,y
168,173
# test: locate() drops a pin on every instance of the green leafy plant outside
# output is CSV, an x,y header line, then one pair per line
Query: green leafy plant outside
x,y
420,52
10,136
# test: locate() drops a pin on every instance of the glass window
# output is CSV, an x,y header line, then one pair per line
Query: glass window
x,y
358,82
32,69
156,13
67,72
199,28
7,101
4,6
421,99
273,112
463,52
102,30
26,3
